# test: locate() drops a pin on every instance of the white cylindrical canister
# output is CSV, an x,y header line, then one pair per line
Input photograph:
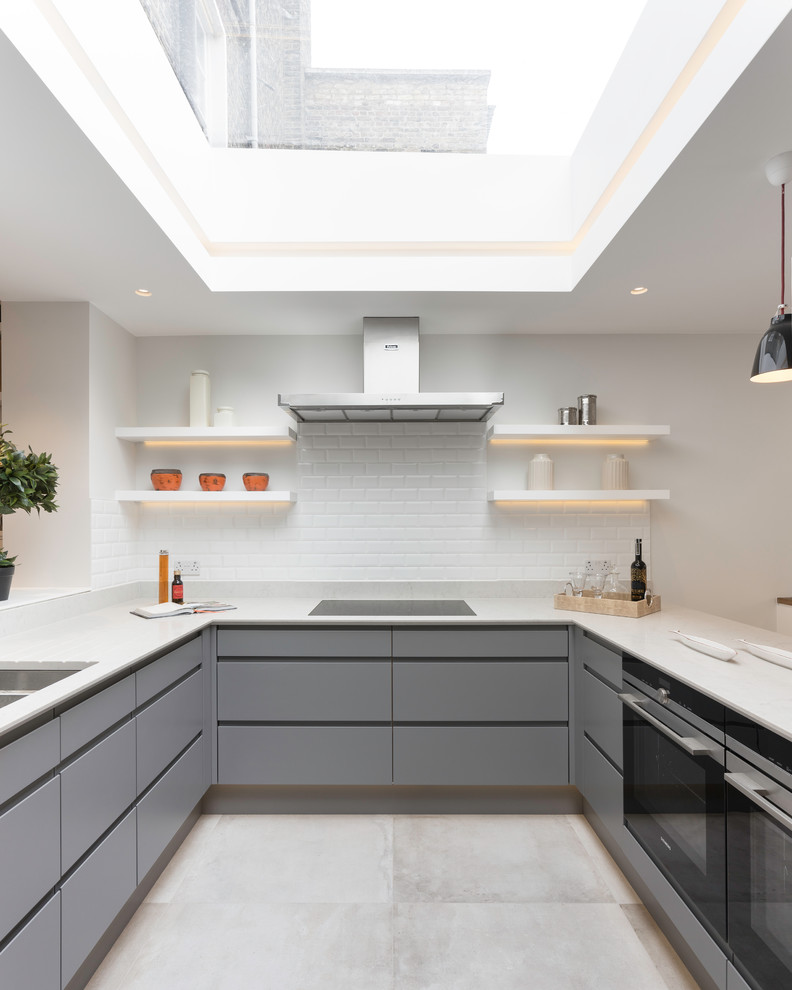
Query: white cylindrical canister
x,y
199,399
224,416
615,472
540,473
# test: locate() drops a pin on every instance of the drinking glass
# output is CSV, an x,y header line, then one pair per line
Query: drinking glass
x,y
576,582
613,586
596,582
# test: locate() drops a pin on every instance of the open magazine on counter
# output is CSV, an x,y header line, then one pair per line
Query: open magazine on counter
x,y
182,608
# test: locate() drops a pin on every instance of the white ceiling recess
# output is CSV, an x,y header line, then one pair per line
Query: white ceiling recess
x,y
660,191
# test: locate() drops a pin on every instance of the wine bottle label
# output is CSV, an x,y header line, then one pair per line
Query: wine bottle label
x,y
637,584
178,593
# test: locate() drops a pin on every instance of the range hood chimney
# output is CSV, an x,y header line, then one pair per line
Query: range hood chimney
x,y
391,386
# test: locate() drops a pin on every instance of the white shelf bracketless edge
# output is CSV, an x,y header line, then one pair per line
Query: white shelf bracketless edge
x,y
208,434
592,495
581,433
180,496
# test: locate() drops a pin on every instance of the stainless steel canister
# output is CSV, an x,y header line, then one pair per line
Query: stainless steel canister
x,y
567,416
587,410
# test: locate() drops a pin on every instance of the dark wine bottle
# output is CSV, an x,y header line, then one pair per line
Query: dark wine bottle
x,y
637,576
177,589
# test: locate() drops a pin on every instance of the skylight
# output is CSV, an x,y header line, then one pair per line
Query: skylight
x,y
522,77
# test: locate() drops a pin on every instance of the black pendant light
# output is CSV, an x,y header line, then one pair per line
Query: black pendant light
x,y
773,361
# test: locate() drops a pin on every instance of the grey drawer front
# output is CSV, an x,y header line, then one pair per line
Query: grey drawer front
x,y
32,957
303,642
95,893
29,853
165,728
86,721
539,642
158,675
484,691
733,979
304,691
28,758
603,788
163,811
602,717
96,789
304,754
607,663
480,755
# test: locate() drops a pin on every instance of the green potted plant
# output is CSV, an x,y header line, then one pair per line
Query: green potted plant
x,y
27,481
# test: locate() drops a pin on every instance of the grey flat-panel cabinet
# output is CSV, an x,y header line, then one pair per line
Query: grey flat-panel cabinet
x,y
297,642
32,959
480,755
162,812
28,758
603,788
525,641
96,789
304,691
480,691
88,720
167,726
95,893
29,853
160,674
602,717
604,661
304,754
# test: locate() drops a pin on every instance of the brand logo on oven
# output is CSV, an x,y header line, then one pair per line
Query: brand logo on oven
x,y
665,843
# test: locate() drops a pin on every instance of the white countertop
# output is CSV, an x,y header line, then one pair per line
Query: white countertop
x,y
113,640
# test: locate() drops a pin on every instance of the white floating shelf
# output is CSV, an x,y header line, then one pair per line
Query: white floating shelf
x,y
209,434
592,495
578,434
186,496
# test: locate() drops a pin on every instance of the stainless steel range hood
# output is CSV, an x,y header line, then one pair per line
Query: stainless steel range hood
x,y
391,386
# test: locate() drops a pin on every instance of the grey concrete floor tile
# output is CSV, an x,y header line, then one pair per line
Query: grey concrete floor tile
x,y
519,946
292,858
115,967
480,858
186,861
668,964
617,883
262,947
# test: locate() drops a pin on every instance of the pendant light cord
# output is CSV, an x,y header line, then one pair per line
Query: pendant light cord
x,y
782,307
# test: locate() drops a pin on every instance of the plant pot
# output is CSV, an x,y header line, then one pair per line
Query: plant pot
x,y
212,482
255,481
6,574
166,479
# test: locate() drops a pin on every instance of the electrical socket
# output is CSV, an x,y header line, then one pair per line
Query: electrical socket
x,y
189,568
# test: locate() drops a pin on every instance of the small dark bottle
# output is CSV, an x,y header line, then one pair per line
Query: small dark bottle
x,y
177,589
637,576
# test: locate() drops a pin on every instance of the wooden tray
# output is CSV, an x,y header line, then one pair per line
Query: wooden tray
x,y
607,606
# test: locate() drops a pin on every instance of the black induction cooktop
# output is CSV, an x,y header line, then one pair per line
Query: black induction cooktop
x,y
391,607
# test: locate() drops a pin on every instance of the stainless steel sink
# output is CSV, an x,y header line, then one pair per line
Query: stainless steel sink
x,y
20,682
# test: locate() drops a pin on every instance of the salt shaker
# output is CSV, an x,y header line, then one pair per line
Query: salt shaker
x,y
540,473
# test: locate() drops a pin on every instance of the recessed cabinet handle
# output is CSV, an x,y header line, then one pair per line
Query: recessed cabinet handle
x,y
755,792
696,747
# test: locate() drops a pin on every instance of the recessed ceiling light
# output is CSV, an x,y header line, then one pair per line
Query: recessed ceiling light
x,y
638,290
142,292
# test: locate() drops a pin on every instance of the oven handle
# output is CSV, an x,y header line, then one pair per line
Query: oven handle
x,y
755,792
691,745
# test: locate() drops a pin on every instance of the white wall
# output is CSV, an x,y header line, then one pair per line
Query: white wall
x,y
715,545
45,402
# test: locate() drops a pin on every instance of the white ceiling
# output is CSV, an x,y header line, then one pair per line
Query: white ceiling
x,y
705,239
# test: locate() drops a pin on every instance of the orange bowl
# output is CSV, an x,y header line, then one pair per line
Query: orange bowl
x,y
166,479
212,482
255,481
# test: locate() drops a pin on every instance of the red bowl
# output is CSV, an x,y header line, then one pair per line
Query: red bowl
x,y
166,479
212,482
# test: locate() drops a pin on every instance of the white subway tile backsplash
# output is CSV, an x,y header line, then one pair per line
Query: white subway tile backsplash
x,y
387,501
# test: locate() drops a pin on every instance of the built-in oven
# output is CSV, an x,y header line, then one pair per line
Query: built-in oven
x,y
674,792
759,852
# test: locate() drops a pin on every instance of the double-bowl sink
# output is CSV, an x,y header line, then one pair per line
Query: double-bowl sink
x,y
19,682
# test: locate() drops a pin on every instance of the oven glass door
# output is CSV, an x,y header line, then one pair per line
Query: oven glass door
x,y
674,806
759,892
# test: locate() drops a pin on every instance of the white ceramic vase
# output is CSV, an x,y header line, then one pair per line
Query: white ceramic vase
x,y
540,473
615,472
